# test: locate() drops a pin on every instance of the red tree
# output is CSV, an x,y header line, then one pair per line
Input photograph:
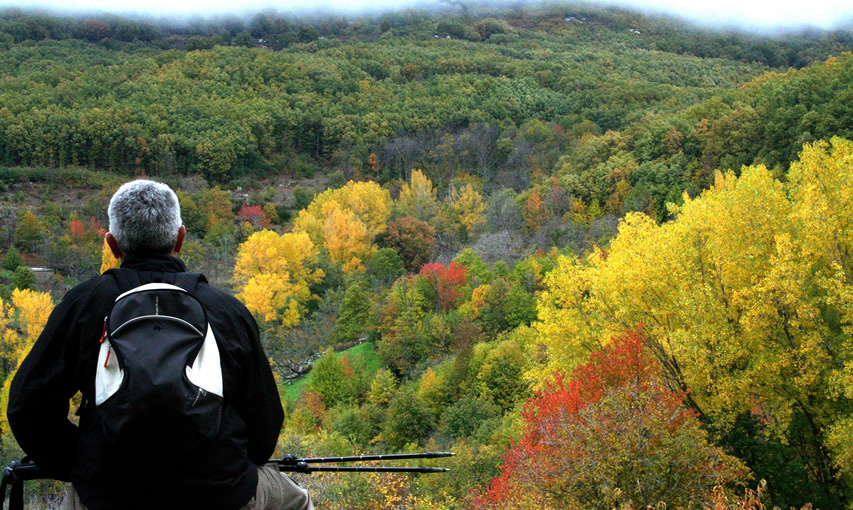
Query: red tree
x,y
77,229
446,280
611,436
254,215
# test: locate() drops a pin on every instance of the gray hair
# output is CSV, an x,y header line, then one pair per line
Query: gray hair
x,y
145,216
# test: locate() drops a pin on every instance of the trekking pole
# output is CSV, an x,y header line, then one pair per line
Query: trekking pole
x,y
14,477
291,463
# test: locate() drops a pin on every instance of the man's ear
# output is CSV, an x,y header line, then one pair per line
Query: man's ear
x,y
182,232
113,244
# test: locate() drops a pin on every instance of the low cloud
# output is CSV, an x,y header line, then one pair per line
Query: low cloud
x,y
749,15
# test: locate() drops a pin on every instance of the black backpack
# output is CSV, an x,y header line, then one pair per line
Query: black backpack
x,y
158,383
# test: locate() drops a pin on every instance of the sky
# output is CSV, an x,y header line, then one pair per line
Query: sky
x,y
757,14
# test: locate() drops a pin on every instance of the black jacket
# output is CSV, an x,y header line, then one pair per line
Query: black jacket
x,y
62,362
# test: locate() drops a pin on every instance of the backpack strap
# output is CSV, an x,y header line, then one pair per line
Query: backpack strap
x,y
188,281
128,279
125,278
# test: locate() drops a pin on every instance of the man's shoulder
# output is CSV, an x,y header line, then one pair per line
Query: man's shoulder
x,y
216,298
209,291
229,316
100,288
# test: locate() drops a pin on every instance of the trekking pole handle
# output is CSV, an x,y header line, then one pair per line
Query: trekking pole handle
x,y
13,478
22,471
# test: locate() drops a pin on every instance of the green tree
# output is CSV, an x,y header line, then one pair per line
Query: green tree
x,y
353,315
469,413
28,231
385,266
502,305
12,259
23,278
194,220
498,376
333,379
405,339
408,419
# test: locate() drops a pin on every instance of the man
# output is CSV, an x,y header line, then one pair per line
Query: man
x,y
146,234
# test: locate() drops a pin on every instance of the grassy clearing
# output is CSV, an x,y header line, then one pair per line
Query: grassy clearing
x,y
363,356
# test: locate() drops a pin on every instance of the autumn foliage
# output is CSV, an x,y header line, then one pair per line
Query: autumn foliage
x,y
746,297
413,239
254,215
446,280
611,436
345,221
274,273
21,322
577,201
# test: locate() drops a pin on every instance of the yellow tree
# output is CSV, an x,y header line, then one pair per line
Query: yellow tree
x,y
370,203
685,281
28,231
821,186
360,209
33,310
418,198
274,274
9,336
347,240
462,212
22,323
108,260
822,193
745,298
367,200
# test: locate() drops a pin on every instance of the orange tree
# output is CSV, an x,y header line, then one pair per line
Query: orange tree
x,y
611,436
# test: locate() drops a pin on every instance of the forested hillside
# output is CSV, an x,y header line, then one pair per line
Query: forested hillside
x,y
603,257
